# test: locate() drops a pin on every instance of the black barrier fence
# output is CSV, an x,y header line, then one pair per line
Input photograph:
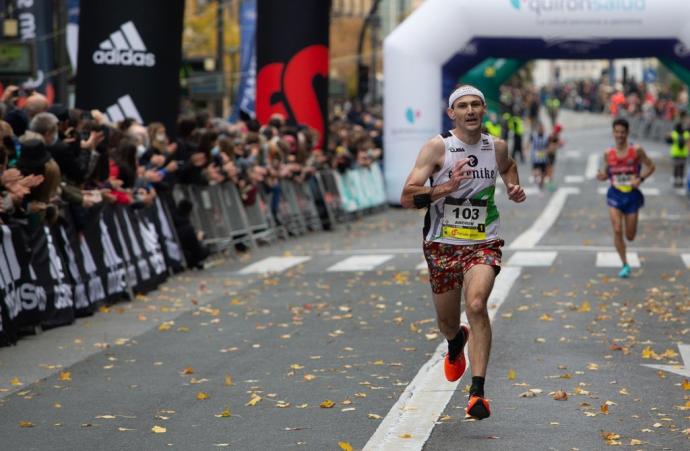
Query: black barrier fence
x,y
51,275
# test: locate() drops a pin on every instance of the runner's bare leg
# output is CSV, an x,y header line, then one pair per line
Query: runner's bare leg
x,y
617,224
479,281
448,312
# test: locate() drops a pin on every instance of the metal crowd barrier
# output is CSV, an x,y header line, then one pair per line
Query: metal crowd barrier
x,y
654,129
321,202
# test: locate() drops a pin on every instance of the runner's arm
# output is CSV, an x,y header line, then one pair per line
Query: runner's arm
x,y
429,159
647,162
508,170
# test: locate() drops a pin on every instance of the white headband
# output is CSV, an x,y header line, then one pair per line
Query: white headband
x,y
465,91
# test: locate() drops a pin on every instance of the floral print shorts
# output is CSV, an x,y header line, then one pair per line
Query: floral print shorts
x,y
448,263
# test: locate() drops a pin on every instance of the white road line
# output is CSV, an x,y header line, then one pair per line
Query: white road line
x,y
360,263
425,398
686,260
545,247
582,248
574,179
532,258
273,265
592,166
612,260
390,250
529,238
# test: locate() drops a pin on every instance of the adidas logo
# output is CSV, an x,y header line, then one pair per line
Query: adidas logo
x,y
123,109
124,48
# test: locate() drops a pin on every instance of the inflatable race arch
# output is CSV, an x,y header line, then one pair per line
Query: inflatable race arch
x,y
443,39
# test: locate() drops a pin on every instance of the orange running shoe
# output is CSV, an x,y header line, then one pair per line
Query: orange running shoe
x,y
478,408
456,368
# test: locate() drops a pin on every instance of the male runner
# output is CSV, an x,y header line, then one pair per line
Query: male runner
x,y
539,144
622,166
461,243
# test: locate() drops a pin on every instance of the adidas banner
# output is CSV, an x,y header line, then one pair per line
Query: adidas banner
x,y
129,59
292,61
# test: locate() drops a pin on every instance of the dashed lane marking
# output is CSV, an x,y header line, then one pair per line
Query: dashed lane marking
x,y
534,259
574,178
612,260
592,166
273,265
360,263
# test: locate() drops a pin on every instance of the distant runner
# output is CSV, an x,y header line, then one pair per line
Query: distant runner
x,y
461,243
623,167
539,144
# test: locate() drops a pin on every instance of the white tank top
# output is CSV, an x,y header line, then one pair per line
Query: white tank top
x,y
469,215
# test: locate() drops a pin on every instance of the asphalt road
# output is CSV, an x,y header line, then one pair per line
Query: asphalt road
x,y
314,355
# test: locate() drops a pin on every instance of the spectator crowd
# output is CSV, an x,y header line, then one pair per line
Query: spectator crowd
x,y
56,161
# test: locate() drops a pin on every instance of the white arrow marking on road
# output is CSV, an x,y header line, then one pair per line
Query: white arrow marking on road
x,y
592,166
426,397
677,369
529,238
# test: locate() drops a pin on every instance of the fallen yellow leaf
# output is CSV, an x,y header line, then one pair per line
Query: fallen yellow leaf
x,y
188,370
686,385
585,307
634,441
16,382
546,317
406,435
255,399
327,404
224,414
373,416
512,374
201,396
228,380
604,409
166,326
309,377
158,430
26,424
65,376
345,446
